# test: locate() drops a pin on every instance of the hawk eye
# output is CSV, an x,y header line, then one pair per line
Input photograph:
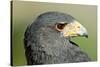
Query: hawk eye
x,y
60,26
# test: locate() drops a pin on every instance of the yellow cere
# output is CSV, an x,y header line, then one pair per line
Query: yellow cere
x,y
71,29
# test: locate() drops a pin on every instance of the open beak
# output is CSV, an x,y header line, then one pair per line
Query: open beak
x,y
74,29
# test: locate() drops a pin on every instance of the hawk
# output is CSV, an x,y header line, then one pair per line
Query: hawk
x,y
48,40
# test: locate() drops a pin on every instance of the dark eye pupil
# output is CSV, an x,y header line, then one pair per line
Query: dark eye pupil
x,y
60,26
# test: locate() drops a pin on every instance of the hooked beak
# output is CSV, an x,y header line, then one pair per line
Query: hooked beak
x,y
74,29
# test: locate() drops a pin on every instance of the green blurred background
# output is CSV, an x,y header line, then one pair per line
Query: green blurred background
x,y
24,13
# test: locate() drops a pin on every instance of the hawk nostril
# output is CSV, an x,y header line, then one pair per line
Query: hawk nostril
x,y
78,27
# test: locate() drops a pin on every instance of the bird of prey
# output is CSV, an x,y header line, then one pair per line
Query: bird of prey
x,y
48,40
